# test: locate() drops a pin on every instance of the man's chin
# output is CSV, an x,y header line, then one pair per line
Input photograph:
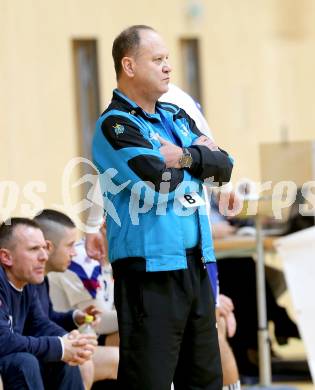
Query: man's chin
x,y
38,279
166,87
162,92
61,269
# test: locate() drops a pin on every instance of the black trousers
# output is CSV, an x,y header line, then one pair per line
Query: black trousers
x,y
167,328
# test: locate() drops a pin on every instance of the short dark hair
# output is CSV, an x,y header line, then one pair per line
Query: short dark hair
x,y
53,224
7,229
54,216
126,42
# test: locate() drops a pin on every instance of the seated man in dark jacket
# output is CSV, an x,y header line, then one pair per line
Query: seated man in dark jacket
x,y
26,362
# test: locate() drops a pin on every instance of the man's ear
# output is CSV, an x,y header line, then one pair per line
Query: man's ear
x,y
50,247
6,257
128,66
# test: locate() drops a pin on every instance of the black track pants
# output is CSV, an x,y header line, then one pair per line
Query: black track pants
x,y
167,328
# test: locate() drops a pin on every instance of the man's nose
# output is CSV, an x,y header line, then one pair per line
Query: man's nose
x,y
167,67
43,255
73,252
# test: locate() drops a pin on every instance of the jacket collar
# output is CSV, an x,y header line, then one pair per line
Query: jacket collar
x,y
133,107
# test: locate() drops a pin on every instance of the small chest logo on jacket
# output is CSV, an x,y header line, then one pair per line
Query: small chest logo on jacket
x,y
119,129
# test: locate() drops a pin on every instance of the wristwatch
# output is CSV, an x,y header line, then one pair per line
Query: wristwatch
x,y
186,159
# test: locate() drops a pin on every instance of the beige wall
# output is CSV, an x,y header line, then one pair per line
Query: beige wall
x,y
257,72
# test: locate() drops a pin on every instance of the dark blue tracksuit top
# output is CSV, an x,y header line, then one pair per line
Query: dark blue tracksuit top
x,y
65,320
18,308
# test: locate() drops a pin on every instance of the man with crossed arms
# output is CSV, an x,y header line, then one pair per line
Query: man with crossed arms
x,y
166,311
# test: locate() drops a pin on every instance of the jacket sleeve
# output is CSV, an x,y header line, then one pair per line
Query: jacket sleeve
x,y
46,348
38,323
119,144
64,320
207,164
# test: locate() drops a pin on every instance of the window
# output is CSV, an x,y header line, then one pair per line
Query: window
x,y
87,91
87,102
191,67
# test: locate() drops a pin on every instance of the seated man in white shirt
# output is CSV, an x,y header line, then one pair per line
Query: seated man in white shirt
x,y
85,283
60,232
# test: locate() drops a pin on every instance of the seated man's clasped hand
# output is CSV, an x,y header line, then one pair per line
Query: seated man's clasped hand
x,y
78,347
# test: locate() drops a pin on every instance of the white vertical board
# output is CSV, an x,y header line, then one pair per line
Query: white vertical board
x,y
297,252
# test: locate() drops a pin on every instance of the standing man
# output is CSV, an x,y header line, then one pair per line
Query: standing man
x,y
153,161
